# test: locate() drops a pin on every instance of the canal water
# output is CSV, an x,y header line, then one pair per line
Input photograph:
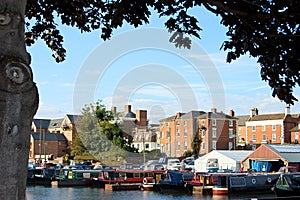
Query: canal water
x,y
80,193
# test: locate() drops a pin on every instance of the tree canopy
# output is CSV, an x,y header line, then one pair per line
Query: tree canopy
x,y
265,29
99,135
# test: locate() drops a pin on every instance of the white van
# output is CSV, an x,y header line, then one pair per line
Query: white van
x,y
173,164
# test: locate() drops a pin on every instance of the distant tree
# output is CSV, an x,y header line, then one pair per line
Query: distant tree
x,y
78,148
266,29
188,153
154,154
90,138
110,127
99,134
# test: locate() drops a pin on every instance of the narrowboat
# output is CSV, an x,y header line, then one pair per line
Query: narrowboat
x,y
40,176
252,182
77,177
288,184
124,176
175,181
153,178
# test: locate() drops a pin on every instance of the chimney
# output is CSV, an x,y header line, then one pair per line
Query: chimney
x,y
213,110
113,109
178,115
141,117
127,108
231,113
287,110
253,112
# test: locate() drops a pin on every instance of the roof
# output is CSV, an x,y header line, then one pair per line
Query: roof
x,y
55,123
275,116
41,123
236,155
285,148
217,115
73,118
171,118
295,129
288,152
192,114
242,120
48,136
129,115
262,117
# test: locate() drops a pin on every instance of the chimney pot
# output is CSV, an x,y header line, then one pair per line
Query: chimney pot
x,y
127,108
231,113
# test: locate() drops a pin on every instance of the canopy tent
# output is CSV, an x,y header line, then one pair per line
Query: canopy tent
x,y
227,160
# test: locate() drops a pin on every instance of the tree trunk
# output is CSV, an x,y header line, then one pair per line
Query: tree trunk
x,y
18,101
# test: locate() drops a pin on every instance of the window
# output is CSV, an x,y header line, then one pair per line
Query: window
x,y
203,122
296,136
178,146
168,147
168,124
168,134
203,145
185,145
214,132
263,137
203,133
273,127
178,123
254,137
273,137
231,123
184,123
231,133
253,128
146,146
178,133
185,132
214,145
263,128
230,145
162,135
147,136
214,122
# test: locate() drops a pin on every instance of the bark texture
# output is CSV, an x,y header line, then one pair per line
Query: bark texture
x,y
18,101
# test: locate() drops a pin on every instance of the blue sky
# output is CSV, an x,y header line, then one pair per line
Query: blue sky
x,y
141,68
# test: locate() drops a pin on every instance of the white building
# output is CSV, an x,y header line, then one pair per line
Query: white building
x,y
221,160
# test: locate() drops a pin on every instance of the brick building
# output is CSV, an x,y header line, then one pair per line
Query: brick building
x,y
52,136
217,131
136,126
270,128
45,144
177,133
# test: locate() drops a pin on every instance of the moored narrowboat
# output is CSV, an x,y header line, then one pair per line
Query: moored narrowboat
x,y
175,181
77,177
40,176
288,184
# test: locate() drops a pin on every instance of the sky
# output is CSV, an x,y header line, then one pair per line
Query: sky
x,y
142,68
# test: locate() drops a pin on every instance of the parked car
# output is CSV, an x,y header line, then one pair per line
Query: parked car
x,y
102,166
190,166
186,161
173,164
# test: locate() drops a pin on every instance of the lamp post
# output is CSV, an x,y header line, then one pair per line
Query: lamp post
x,y
144,147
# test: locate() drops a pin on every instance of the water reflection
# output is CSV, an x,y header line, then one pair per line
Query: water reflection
x,y
73,193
